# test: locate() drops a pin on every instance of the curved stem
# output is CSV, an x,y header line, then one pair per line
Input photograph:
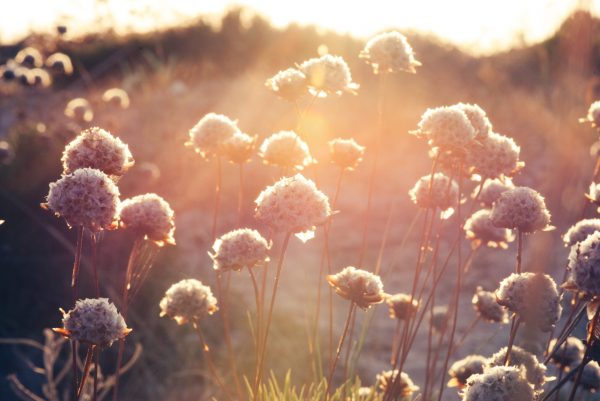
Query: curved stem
x,y
339,348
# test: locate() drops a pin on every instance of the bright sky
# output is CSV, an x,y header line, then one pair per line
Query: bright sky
x,y
476,25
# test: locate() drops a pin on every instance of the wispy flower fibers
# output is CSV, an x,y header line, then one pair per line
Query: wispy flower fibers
x,y
461,370
446,127
593,115
80,110
569,354
479,229
401,307
292,205
346,153
289,84
238,249
492,189
584,265
363,288
285,149
487,308
534,371
239,148
580,231
533,297
442,193
149,216
210,133
87,197
478,119
116,97
97,148
590,377
494,156
60,63
500,383
188,300
30,57
390,52
94,321
328,75
401,388
523,209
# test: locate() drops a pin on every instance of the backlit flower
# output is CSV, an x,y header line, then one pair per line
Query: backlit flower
x,y
390,52
188,301
359,286
328,75
238,249
149,216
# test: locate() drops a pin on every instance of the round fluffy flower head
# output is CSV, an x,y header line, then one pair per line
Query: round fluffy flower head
x,y
289,84
533,297
442,193
210,133
492,189
446,127
239,148
401,307
390,52
500,383
521,208
328,75
285,149
97,148
293,205
402,387
188,301
486,306
569,354
87,198
60,63
494,156
116,97
584,264
238,249
580,231
94,321
461,370
346,153
30,57
150,216
359,286
480,230
478,119
439,320
593,115
533,370
79,109
590,377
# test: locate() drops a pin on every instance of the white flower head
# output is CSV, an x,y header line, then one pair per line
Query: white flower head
x,y
346,153
494,156
328,75
289,84
210,133
532,368
480,230
478,119
580,231
149,216
442,193
461,370
79,109
594,194
492,189
446,127
593,115
402,387
359,286
584,265
60,63
239,148
238,249
569,354
116,97
523,209
390,52
500,383
486,306
188,301
285,149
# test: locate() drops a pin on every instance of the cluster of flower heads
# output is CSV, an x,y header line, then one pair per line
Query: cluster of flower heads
x,y
580,231
494,156
584,265
500,383
390,52
29,68
522,209
188,301
397,387
359,286
149,216
486,306
492,189
480,229
287,150
441,193
240,248
533,369
346,153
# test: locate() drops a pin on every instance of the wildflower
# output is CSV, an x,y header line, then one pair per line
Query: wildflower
x,y
285,149
30,57
328,75
500,383
289,84
486,306
593,115
94,321
580,231
492,189
238,249
533,297
116,97
239,148
359,286
521,208
494,156
97,148
439,318
79,109
188,301
584,265
87,197
569,354
478,119
528,363
590,377
446,127
210,133
442,193
401,307
149,216
39,77
594,194
390,52
292,205
60,63
388,381
480,230
364,393
346,153
461,370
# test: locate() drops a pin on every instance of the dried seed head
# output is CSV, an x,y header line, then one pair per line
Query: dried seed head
x,y
149,216
439,320
328,75
289,84
401,307
238,249
494,156
239,148
60,63
389,52
188,301
442,193
94,321
569,354
116,97
398,388
533,297
30,57
359,286
492,189
584,264
285,149
87,198
97,148
478,119
528,363
500,383
461,370
446,127
523,209
292,205
346,153
593,115
486,306
590,377
210,133
580,231
79,109
480,230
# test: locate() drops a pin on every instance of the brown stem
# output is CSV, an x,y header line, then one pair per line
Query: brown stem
x,y
217,204
566,331
258,311
467,332
519,250
339,348
86,369
513,333
77,262
94,247
349,347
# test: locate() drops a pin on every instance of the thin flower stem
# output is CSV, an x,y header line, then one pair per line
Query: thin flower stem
x,y
240,193
519,250
513,333
77,262
86,369
94,247
395,342
566,331
217,204
560,293
349,346
75,383
560,376
96,357
351,311
585,361
258,309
